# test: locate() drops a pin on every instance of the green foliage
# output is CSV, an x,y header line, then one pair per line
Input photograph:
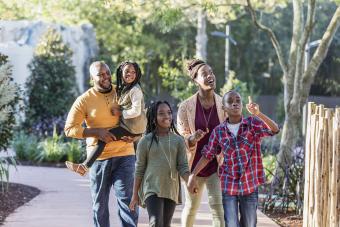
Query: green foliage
x,y
167,19
53,149
75,151
286,194
51,88
327,80
5,163
9,97
176,81
269,165
26,147
153,33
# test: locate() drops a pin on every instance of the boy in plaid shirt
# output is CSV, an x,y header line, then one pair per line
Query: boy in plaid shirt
x,y
242,171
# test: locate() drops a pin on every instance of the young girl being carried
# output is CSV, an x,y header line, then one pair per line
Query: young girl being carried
x,y
161,159
130,108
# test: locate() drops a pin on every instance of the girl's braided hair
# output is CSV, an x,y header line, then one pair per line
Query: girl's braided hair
x,y
151,116
122,88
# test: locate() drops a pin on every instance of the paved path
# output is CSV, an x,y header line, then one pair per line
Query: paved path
x,y
65,201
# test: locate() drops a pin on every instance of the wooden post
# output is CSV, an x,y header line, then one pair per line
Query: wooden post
x,y
311,172
318,157
325,170
322,168
333,174
307,163
337,150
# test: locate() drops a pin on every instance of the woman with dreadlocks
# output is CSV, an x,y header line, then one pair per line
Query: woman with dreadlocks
x,y
130,109
161,159
197,117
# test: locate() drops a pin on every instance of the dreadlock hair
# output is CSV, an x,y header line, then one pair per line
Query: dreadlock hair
x,y
122,88
151,116
193,66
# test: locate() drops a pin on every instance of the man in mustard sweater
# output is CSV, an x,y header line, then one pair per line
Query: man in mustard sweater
x,y
116,165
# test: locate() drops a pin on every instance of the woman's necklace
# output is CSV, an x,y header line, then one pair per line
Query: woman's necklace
x,y
169,159
205,119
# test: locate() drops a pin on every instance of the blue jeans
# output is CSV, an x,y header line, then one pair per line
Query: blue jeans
x,y
245,205
116,172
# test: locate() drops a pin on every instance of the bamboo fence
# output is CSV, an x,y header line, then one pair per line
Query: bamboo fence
x,y
322,167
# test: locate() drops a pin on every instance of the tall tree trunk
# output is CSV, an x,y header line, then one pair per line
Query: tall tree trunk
x,y
289,139
297,83
201,37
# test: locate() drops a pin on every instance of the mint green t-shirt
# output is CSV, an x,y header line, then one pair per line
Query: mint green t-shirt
x,y
160,166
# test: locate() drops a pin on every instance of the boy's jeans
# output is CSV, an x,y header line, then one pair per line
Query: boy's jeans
x,y
245,205
116,172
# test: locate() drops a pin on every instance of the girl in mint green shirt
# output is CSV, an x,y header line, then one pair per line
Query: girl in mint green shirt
x,y
161,159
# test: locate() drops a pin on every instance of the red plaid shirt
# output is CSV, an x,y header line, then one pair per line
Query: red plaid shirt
x,y
242,170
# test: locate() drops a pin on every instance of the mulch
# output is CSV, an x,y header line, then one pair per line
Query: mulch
x,y
16,196
286,220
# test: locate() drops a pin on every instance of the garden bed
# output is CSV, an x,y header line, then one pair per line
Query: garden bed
x,y
16,196
286,220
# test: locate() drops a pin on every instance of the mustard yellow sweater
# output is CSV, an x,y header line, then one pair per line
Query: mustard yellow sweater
x,y
94,108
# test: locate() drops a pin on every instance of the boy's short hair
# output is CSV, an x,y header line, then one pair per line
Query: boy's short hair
x,y
228,92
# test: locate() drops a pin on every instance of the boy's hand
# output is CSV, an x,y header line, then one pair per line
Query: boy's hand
x,y
252,107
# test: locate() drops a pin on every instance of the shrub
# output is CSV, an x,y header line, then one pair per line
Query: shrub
x,y
5,163
9,97
287,193
269,162
271,145
26,147
75,151
51,87
50,149
53,149
45,127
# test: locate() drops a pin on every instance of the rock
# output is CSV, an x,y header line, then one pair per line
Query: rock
x,y
19,38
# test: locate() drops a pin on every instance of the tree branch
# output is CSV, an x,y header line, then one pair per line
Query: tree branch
x,y
300,36
320,54
271,35
310,22
293,54
300,61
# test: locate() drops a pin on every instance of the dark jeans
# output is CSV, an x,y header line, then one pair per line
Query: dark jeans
x,y
116,173
160,211
245,205
118,132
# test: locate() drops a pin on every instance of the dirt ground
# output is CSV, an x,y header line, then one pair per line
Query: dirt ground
x,y
286,220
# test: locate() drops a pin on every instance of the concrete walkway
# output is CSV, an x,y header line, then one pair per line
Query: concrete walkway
x,y
65,201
